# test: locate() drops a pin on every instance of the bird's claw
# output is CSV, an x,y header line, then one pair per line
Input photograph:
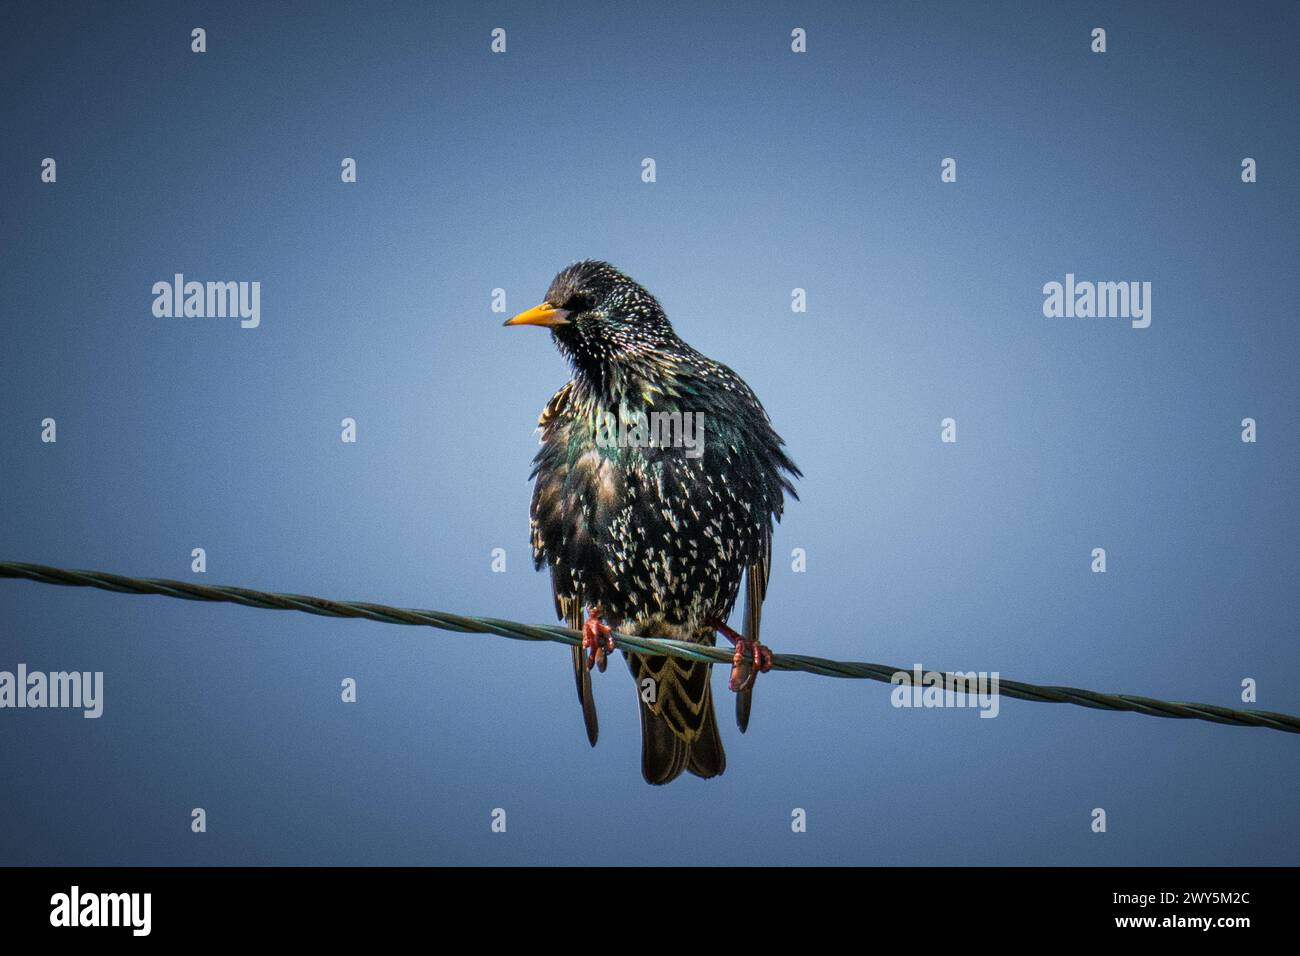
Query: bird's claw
x,y
751,659
596,640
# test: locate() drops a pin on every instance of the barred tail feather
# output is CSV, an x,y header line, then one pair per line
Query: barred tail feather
x,y
679,730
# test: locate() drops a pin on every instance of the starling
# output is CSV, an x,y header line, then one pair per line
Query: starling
x,y
656,490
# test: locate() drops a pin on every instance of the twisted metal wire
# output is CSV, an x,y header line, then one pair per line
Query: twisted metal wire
x,y
550,632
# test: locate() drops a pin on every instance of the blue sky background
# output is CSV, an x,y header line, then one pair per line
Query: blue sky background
x,y
775,171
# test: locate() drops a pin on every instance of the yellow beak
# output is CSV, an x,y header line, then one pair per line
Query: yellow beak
x,y
544,314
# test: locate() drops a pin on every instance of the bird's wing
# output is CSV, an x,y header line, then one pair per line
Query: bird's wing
x,y
756,575
569,602
570,611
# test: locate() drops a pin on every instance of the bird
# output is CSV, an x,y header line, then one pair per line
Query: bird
x,y
656,491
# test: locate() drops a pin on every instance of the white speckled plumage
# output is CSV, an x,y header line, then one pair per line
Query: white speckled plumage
x,y
657,539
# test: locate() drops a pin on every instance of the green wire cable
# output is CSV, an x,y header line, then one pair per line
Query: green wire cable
x,y
660,646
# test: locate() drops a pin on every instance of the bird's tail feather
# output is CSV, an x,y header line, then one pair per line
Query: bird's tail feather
x,y
679,730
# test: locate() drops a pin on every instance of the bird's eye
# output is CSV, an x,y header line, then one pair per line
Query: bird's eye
x,y
578,303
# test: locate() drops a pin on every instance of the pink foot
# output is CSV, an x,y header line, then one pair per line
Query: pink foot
x,y
596,639
751,658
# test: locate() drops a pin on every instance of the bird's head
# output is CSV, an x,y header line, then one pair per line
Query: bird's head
x,y
602,321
